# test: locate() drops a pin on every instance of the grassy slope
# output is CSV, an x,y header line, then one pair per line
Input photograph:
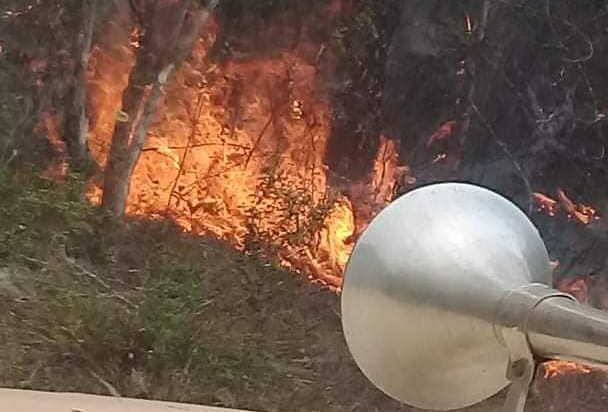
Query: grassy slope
x,y
148,311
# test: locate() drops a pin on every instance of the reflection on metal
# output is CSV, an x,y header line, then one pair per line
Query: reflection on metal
x,y
446,300
33,401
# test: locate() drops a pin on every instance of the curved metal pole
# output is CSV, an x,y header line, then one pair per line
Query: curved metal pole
x,y
538,321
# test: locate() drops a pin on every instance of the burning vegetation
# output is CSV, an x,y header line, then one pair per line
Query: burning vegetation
x,y
243,141
239,148
580,212
554,369
238,127
283,127
261,125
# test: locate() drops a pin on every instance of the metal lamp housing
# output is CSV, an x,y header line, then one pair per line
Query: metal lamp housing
x,y
423,287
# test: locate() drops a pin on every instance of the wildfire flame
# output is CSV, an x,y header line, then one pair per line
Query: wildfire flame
x,y
238,151
554,369
580,212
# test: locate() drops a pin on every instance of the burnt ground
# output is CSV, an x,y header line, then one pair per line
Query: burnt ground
x,y
144,310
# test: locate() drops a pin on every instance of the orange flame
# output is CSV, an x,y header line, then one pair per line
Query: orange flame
x,y
554,369
241,155
340,229
583,213
545,203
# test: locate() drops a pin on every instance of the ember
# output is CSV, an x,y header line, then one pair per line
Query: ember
x,y
580,212
554,369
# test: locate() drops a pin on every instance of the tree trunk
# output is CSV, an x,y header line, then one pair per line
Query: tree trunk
x,y
128,141
169,35
118,171
76,125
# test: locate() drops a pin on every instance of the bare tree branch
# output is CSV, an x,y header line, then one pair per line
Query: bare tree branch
x,y
193,124
77,121
507,152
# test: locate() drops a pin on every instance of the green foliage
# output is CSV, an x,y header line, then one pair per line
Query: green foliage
x,y
285,215
153,334
80,322
35,211
171,306
176,330
163,333
164,328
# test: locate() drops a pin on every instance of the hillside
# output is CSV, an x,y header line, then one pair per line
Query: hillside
x,y
149,311
144,310
238,142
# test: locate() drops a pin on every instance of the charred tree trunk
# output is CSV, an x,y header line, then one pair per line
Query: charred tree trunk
x,y
76,119
169,33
